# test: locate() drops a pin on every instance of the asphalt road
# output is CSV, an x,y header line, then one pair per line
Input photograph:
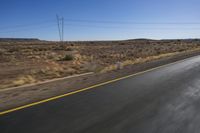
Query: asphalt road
x,y
165,100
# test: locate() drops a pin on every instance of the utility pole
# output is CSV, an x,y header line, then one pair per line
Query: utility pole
x,y
62,29
60,22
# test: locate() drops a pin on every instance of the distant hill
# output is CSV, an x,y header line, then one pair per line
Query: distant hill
x,y
18,39
129,40
145,39
140,39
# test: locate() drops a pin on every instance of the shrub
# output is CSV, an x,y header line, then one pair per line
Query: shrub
x,y
68,57
72,44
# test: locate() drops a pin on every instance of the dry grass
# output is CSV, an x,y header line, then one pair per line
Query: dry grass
x,y
28,79
143,60
29,62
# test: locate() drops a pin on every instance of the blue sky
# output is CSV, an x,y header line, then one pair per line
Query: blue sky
x,y
101,19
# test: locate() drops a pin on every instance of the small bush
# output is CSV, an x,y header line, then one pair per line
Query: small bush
x,y
181,50
72,44
68,58
69,49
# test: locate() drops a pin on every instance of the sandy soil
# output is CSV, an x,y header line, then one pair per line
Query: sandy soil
x,y
31,62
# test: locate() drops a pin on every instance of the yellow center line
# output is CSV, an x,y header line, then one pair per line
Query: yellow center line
x,y
85,89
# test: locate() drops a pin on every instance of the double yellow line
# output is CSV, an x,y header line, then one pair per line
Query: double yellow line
x,y
85,89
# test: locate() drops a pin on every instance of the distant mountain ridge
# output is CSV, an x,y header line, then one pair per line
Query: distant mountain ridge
x,y
18,39
137,39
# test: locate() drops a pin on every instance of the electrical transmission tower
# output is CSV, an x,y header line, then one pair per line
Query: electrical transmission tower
x,y
60,22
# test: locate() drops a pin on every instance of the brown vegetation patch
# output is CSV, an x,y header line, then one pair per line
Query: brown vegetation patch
x,y
30,62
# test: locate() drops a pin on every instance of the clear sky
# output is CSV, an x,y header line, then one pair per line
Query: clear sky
x,y
101,19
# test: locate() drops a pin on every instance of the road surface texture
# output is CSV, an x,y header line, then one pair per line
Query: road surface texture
x,y
165,100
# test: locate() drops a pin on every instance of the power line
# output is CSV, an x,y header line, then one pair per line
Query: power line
x,y
28,29
121,27
98,27
27,25
98,24
94,22
131,22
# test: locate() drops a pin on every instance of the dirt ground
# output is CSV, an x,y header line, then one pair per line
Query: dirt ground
x,y
31,62
25,95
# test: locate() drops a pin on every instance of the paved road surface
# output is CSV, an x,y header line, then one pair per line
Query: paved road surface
x,y
166,100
